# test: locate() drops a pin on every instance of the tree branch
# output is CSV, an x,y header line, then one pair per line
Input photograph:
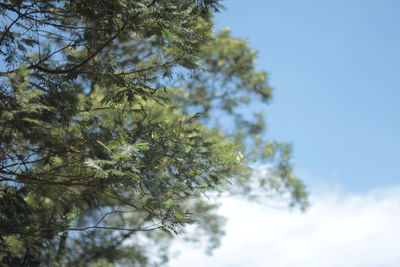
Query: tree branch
x,y
37,66
8,28
145,229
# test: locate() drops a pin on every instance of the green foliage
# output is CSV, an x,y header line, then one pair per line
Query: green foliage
x,y
110,135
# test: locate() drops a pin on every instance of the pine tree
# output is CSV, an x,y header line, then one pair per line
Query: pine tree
x,y
110,133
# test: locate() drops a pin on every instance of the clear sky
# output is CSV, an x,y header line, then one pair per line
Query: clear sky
x,y
335,68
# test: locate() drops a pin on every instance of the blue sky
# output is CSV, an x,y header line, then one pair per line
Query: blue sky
x,y
335,68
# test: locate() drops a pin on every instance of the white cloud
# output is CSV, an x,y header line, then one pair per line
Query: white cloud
x,y
357,230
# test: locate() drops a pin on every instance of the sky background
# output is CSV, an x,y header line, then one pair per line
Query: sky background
x,y
335,68
334,65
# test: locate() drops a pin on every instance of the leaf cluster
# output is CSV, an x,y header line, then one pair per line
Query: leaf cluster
x,y
110,134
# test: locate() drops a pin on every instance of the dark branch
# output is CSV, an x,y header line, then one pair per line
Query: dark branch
x,y
8,28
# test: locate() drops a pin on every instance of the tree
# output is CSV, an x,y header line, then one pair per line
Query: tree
x,y
110,137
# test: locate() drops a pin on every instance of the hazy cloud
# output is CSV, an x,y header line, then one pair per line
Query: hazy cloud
x,y
338,230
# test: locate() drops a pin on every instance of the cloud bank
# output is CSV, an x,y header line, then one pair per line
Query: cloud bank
x,y
358,230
